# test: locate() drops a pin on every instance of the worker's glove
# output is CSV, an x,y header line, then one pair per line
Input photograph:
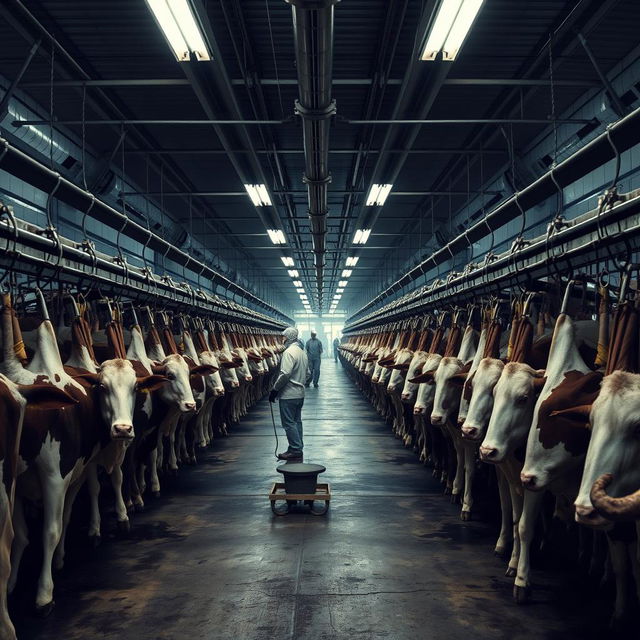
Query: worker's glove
x,y
273,395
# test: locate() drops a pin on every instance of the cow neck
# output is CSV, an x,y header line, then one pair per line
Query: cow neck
x,y
224,342
425,338
137,351
469,345
189,347
82,354
522,340
623,348
170,346
564,355
201,341
516,320
602,353
412,342
480,349
492,344
13,351
153,345
213,341
115,339
454,339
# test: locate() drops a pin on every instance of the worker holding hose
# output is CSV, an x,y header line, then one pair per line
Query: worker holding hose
x,y
289,387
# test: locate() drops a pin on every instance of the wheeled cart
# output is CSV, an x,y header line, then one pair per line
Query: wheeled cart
x,y
279,494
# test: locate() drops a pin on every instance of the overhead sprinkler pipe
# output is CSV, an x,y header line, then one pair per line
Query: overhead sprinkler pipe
x,y
313,32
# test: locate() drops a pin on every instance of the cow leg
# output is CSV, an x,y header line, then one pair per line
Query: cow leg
x,y
20,541
121,509
173,460
618,554
526,530
505,507
6,537
53,493
153,471
93,484
70,498
469,472
517,504
458,481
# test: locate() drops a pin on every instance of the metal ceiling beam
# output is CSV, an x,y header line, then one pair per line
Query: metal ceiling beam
x,y
351,152
181,82
298,191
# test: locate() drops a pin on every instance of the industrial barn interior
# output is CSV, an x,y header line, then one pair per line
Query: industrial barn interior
x,y
319,319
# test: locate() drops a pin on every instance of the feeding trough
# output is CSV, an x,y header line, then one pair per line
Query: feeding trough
x,y
300,483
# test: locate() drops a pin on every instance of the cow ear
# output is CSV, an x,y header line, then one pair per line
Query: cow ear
x,y
538,383
426,377
579,414
150,383
88,378
458,379
46,396
157,369
203,370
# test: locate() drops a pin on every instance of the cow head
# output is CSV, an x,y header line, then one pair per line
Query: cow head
x,y
614,447
514,398
243,371
410,388
479,391
559,437
399,369
213,380
178,392
117,385
426,390
449,379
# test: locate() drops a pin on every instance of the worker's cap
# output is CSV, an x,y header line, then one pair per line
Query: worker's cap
x,y
290,333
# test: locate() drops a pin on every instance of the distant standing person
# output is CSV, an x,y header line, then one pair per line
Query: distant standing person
x,y
289,385
314,351
336,344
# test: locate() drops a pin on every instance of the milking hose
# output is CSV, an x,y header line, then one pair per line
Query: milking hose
x,y
275,431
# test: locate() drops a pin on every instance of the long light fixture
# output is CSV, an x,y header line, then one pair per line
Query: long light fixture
x,y
258,194
300,290
378,194
180,28
361,236
287,262
293,273
297,283
339,290
352,261
337,296
276,236
346,273
343,283
450,28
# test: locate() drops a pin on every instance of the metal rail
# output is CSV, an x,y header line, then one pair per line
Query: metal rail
x,y
29,250
38,175
578,243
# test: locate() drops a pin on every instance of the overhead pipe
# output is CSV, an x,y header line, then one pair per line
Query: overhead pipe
x,y
28,169
620,136
313,32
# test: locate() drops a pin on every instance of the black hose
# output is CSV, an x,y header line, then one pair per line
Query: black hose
x,y
275,431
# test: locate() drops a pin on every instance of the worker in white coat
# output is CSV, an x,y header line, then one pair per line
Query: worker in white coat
x,y
289,388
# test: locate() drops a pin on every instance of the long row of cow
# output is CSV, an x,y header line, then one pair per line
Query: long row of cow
x,y
91,394
551,405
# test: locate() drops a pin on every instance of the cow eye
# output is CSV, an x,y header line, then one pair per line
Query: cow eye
x,y
522,400
170,376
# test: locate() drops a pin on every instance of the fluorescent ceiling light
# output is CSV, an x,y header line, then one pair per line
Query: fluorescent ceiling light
x,y
300,290
297,283
276,236
258,194
352,261
361,236
340,290
378,194
287,262
346,273
337,296
343,283
450,28
180,29
293,273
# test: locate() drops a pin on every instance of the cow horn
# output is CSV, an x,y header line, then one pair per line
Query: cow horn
x,y
618,509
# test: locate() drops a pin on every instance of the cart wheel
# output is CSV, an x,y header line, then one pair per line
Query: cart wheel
x,y
322,510
281,511
292,503
308,503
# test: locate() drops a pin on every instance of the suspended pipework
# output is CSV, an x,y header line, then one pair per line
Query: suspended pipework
x,y
313,31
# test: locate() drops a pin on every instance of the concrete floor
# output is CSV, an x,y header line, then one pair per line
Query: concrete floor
x,y
391,559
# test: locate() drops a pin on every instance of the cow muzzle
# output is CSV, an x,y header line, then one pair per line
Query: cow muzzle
x,y
437,420
122,431
187,407
418,411
470,432
490,454
590,517
529,481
